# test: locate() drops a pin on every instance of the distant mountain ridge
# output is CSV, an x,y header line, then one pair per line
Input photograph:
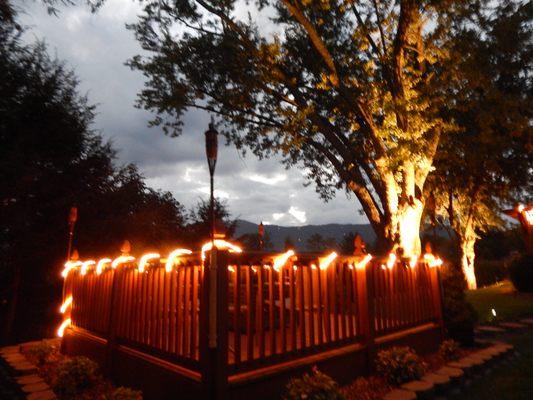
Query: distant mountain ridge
x,y
300,234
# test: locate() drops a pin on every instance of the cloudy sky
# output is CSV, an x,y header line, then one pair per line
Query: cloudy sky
x,y
96,47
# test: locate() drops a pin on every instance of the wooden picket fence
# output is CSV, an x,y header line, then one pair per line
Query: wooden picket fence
x,y
266,314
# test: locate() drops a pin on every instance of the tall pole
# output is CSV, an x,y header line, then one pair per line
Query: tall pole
x,y
261,234
212,210
211,149
72,218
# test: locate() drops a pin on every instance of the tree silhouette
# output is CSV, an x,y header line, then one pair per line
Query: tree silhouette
x,y
50,159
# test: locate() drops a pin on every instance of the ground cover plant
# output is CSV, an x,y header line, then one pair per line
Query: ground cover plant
x,y
399,365
313,386
74,377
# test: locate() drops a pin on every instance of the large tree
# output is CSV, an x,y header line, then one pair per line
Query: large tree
x,y
50,159
487,167
349,90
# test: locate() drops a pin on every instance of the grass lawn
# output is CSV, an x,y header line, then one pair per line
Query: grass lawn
x,y
513,381
501,297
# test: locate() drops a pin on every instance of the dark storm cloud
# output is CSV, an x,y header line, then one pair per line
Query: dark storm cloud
x,y
96,47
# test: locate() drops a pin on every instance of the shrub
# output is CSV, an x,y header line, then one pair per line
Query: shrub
x,y
42,352
489,272
449,350
521,273
74,376
399,365
459,315
124,393
314,386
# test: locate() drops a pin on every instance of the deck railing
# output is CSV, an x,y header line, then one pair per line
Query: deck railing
x,y
268,312
154,311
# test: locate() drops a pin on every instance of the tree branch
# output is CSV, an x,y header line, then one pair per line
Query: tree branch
x,y
314,36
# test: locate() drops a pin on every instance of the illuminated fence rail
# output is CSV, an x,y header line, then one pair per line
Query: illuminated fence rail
x,y
302,307
154,310
297,307
403,297
272,310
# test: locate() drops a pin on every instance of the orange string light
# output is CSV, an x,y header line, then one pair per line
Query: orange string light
x,y
391,260
173,256
101,265
63,326
280,261
66,304
325,262
220,244
70,265
121,260
145,259
85,266
362,264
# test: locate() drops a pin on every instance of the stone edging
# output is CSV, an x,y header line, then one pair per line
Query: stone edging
x,y
458,372
25,373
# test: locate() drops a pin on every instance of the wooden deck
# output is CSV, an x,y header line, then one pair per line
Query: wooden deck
x,y
289,314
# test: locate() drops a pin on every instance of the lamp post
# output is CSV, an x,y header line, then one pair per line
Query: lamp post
x,y
72,218
261,233
211,150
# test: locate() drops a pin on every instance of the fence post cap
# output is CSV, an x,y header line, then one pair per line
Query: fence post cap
x,y
126,247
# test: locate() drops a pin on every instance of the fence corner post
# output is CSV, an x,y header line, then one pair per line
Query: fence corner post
x,y
214,350
436,290
365,309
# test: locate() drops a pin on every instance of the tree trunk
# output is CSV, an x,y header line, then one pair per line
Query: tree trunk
x,y
467,257
403,228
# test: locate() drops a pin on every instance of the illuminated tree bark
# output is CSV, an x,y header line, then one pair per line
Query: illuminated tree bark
x,y
467,255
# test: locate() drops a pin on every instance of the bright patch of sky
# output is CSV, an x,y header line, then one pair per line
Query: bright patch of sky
x,y
96,46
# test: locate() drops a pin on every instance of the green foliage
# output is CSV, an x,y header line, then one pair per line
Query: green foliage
x,y
314,386
42,352
124,393
288,244
497,244
483,168
199,222
489,272
251,241
318,243
74,376
50,160
346,245
399,365
449,350
459,315
352,91
521,273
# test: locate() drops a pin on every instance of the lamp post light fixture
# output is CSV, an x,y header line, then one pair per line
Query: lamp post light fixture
x,y
72,218
261,233
211,150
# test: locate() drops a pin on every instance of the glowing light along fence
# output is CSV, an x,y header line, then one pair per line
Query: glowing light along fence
x,y
277,306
